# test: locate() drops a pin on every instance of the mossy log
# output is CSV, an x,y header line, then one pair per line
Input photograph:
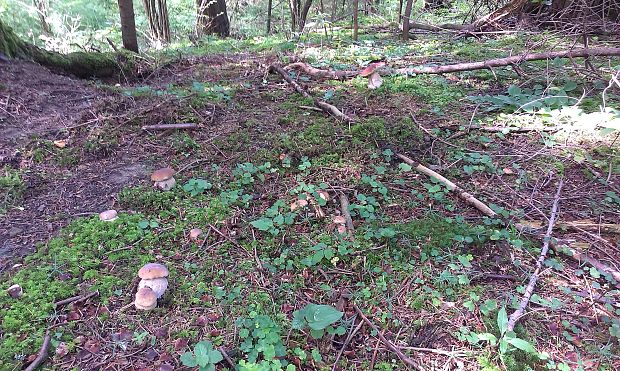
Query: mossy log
x,y
81,64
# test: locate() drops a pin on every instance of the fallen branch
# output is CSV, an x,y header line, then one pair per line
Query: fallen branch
x,y
326,107
344,206
316,72
227,358
188,126
408,361
578,225
470,199
583,258
42,356
435,28
471,66
529,290
77,298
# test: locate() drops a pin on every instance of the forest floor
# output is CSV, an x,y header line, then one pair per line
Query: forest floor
x,y
433,274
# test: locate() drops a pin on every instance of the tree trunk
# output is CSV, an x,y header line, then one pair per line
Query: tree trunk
x,y
406,19
42,8
128,25
212,18
299,14
269,6
80,64
355,22
156,12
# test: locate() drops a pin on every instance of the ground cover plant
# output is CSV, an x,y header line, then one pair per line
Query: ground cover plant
x,y
402,231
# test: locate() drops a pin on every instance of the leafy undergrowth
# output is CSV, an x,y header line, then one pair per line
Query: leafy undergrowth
x,y
272,286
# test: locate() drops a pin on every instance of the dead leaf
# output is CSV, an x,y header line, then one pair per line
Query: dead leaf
x,y
374,81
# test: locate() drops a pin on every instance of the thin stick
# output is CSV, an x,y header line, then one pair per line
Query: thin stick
x,y
470,199
352,333
529,290
344,206
42,353
227,358
406,360
188,126
326,107
581,258
76,298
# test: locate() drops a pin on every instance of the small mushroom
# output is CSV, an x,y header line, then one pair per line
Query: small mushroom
x,y
145,299
15,291
163,178
108,216
299,204
323,194
153,276
340,220
158,285
195,233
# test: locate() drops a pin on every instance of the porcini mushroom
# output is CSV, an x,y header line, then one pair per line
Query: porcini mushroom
x,y
153,276
163,178
145,299
108,216
374,79
195,233
15,291
299,204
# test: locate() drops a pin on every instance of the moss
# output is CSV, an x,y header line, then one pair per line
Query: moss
x,y
368,131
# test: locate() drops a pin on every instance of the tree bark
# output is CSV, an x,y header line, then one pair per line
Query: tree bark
x,y
355,14
299,14
42,8
212,18
269,6
156,12
128,25
406,20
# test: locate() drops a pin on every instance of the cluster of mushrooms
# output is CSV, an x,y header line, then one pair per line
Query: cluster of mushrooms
x,y
152,285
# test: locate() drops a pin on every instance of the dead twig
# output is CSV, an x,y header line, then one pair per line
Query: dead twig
x,y
76,298
529,290
406,360
470,199
187,126
352,332
326,107
227,358
42,356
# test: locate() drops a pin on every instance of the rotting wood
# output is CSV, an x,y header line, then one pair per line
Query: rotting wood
x,y
42,356
406,360
467,66
467,197
326,107
529,289
186,126
344,207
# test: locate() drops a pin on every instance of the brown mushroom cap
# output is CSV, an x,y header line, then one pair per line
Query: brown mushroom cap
x,y
108,215
162,174
323,194
195,233
145,299
371,68
153,270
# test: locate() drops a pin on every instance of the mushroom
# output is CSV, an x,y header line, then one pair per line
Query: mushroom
x,y
15,291
299,204
145,299
195,233
340,220
163,178
323,194
374,79
108,216
158,285
153,276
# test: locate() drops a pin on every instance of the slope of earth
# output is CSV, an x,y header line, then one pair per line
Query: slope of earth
x,y
264,176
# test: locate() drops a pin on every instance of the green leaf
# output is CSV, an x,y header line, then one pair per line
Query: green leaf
x,y
521,344
187,359
202,353
263,224
215,356
321,316
492,339
502,320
